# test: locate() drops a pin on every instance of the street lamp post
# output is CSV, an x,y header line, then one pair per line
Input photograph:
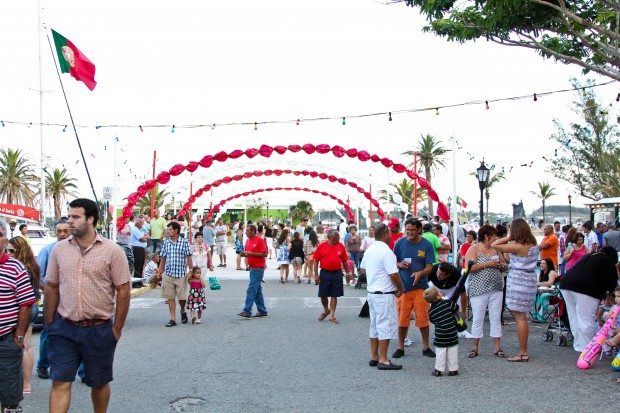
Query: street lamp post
x,y
570,209
483,175
267,204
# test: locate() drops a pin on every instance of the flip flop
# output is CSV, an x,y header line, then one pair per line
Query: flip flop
x,y
171,323
333,321
184,318
324,315
520,358
472,354
500,353
373,363
390,366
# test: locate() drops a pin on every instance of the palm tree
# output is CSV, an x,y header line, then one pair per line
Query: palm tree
x,y
144,204
18,182
58,186
545,191
492,180
431,155
302,209
405,189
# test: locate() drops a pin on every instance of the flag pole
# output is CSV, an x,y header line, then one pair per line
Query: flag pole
x,y
73,124
453,210
42,217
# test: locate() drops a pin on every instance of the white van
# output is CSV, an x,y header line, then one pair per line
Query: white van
x,y
39,237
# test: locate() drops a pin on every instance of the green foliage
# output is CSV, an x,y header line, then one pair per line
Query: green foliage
x,y
405,190
59,185
254,211
144,204
545,191
302,209
591,160
431,156
582,32
18,182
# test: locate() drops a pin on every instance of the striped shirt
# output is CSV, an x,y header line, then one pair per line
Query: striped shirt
x,y
15,292
176,254
441,314
87,280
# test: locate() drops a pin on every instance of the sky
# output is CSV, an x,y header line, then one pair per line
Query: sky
x,y
220,62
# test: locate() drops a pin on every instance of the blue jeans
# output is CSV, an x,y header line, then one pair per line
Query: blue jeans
x,y
44,361
355,257
255,292
154,245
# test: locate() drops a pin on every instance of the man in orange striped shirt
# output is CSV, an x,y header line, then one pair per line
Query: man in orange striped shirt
x,y
86,274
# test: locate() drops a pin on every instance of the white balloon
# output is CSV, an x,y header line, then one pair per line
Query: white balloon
x,y
365,214
404,207
397,198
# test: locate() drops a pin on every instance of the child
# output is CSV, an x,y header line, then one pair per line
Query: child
x,y
196,299
615,330
151,271
603,309
446,340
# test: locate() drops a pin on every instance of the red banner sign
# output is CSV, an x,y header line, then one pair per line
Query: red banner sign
x,y
19,212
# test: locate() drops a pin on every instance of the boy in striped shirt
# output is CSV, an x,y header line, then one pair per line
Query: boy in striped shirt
x,y
446,340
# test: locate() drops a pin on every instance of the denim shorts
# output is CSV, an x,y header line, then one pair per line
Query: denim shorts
x,y
34,313
68,345
330,284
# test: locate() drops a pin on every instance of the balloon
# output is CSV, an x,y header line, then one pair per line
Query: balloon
x,y
404,207
397,198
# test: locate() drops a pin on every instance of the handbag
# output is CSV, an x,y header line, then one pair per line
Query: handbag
x,y
214,283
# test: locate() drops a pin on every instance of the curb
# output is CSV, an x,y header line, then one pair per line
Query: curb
x,y
135,292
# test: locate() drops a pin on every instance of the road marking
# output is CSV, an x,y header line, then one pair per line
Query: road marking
x,y
271,302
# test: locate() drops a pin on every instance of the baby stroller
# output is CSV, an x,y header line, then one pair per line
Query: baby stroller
x,y
559,322
361,274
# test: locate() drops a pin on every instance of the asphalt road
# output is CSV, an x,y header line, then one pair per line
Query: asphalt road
x,y
291,362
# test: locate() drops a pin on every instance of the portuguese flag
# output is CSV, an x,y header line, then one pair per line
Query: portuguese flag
x,y
73,61
461,202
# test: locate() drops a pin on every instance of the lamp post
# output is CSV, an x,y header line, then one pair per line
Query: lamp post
x,y
267,204
450,206
483,175
570,209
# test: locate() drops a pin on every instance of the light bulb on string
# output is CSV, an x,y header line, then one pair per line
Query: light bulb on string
x,y
297,123
255,126
29,125
141,130
545,158
97,127
502,169
344,121
584,91
390,116
64,129
486,102
556,152
511,169
568,142
3,125
535,98
618,98
173,126
436,111
531,163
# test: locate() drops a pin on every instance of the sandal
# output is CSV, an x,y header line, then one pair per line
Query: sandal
x,y
324,315
500,353
171,323
333,321
184,318
610,343
472,354
521,358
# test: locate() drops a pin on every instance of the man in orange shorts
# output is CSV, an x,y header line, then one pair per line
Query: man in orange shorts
x,y
414,257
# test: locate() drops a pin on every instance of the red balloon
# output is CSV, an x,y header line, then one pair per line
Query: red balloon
x,y
217,183
207,187
252,152
296,173
227,179
163,177
258,173
432,194
442,211
237,177
268,172
361,190
314,174
269,189
246,193
192,199
363,156
324,193
387,162
280,149
192,166
412,174
305,173
236,154
142,190
206,161
339,151
352,184
297,188
423,183
332,197
375,158
199,193
279,188
309,148
133,198
287,171
399,167
323,175
265,151
247,175
182,213
176,170
294,148
151,183
221,156
375,203
332,178
352,153
339,201
322,148
342,181
277,172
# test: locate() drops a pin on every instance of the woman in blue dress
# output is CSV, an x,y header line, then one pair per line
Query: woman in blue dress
x,y
521,281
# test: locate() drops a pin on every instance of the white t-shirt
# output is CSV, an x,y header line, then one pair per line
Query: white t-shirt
x,y
379,262
366,243
590,239
220,238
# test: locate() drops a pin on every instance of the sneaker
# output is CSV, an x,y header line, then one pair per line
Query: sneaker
x,y
408,343
259,314
43,373
398,353
244,315
453,373
436,373
429,352
198,321
465,334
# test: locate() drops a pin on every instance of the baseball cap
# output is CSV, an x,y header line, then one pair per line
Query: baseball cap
x,y
393,222
12,221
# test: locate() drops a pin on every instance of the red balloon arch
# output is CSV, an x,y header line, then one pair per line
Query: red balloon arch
x,y
217,207
280,172
266,151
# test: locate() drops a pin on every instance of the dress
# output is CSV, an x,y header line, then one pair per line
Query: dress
x,y
521,284
196,298
283,252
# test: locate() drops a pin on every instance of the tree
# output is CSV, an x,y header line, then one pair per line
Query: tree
x,y
582,32
58,186
545,191
492,180
144,204
431,156
254,210
588,154
405,190
18,182
302,209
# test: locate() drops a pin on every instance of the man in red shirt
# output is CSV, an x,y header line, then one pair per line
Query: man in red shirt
x,y
255,251
332,257
395,234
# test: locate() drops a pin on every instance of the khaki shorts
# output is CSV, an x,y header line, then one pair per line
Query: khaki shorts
x,y
174,287
220,246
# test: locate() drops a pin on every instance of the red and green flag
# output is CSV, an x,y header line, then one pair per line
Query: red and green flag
x,y
73,61
461,202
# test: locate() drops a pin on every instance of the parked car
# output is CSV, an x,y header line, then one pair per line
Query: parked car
x,y
38,323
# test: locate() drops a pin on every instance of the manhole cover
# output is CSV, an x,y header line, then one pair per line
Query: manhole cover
x,y
187,404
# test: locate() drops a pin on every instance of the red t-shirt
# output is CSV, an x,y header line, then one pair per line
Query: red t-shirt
x,y
256,244
330,257
394,238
